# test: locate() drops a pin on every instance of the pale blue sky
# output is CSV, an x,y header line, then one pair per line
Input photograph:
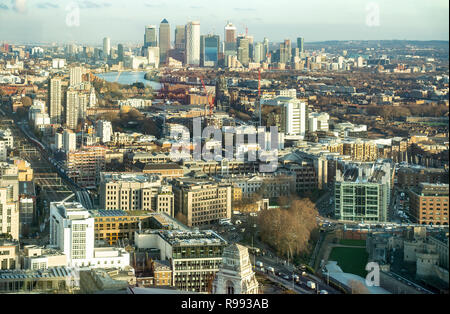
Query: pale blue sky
x,y
315,20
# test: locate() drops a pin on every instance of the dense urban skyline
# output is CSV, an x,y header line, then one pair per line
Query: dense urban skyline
x,y
27,21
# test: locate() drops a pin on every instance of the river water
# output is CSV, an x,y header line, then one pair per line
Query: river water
x,y
129,78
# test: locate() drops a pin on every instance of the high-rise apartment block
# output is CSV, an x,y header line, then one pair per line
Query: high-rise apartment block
x,y
106,46
193,43
72,107
55,100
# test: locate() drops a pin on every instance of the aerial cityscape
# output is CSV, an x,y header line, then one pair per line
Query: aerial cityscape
x,y
188,149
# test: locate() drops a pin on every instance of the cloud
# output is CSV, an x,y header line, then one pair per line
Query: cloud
x,y
86,4
154,5
244,9
19,5
47,5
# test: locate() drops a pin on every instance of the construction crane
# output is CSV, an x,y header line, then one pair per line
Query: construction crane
x,y
259,95
210,101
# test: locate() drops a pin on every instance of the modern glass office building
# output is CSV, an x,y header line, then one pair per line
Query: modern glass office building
x,y
209,50
362,192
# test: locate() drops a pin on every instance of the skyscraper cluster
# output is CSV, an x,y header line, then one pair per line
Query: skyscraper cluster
x,y
192,48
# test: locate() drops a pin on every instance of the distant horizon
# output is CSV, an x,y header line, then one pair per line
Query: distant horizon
x,y
89,21
137,43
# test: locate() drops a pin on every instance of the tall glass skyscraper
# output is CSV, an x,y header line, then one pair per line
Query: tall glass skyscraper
x,y
150,37
164,40
300,44
180,41
209,50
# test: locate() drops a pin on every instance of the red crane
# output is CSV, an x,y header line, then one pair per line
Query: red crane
x,y
210,101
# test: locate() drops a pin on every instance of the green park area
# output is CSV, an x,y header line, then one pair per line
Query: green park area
x,y
350,259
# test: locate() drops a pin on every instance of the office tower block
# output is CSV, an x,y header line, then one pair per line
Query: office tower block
x,y
164,40
251,42
55,100
120,52
266,49
285,51
300,44
180,41
243,50
193,43
258,53
230,42
150,37
75,75
72,103
209,50
106,46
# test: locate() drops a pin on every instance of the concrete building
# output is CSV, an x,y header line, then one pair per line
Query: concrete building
x,y
135,191
236,275
69,141
75,76
8,138
194,257
53,280
9,201
104,131
83,166
318,122
55,100
201,201
72,231
290,114
72,108
35,257
9,255
268,185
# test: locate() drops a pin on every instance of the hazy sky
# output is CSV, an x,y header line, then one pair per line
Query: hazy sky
x,y
315,20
